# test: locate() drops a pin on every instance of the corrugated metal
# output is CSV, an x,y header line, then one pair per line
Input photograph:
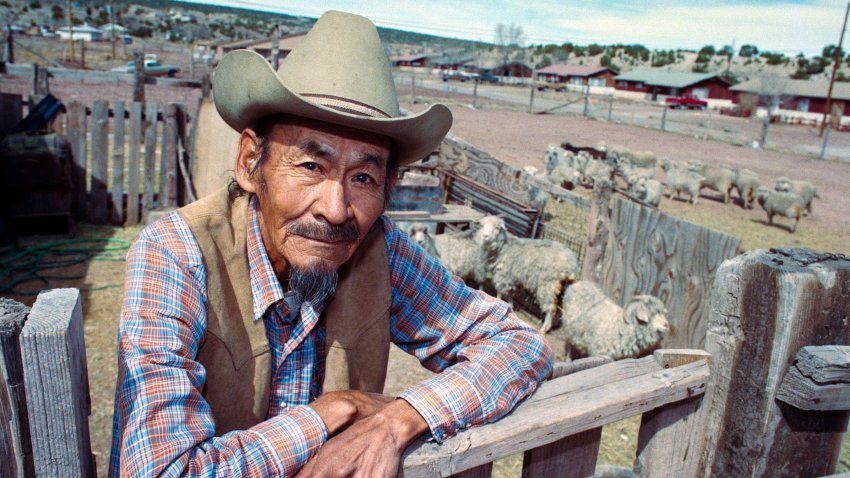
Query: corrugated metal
x,y
671,79
789,87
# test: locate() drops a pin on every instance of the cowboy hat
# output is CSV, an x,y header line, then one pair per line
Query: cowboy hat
x,y
339,74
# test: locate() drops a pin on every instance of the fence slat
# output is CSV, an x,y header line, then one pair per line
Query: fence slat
x,y
134,144
572,456
765,306
117,184
168,190
483,471
77,138
99,161
16,451
54,355
150,158
10,111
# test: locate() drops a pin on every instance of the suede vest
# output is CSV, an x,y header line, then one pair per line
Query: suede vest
x,y
235,349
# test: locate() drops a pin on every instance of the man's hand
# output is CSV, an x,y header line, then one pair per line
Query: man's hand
x,y
371,447
342,408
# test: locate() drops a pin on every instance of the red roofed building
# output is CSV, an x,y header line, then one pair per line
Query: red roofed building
x,y
577,75
415,59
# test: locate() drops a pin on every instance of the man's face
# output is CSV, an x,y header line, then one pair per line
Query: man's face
x,y
320,189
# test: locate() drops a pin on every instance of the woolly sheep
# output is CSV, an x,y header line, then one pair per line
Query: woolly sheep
x,y
783,203
594,171
614,152
565,176
648,191
420,233
643,159
684,181
542,267
461,255
717,178
746,184
806,190
591,324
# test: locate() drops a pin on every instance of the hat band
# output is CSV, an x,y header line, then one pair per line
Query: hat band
x,y
346,105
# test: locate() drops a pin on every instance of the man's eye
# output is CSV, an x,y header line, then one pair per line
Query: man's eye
x,y
310,166
363,178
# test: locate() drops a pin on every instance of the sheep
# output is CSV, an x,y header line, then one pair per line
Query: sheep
x,y
551,158
542,267
746,183
717,178
565,176
461,255
643,159
593,152
614,152
596,171
687,181
669,165
648,191
592,324
806,190
420,233
783,203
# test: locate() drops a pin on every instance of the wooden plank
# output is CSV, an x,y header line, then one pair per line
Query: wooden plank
x,y
11,112
572,456
483,471
53,351
150,159
77,138
133,164
168,192
599,224
560,408
651,252
215,150
99,161
16,453
765,306
117,183
819,379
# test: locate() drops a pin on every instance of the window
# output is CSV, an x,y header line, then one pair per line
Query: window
x,y
803,105
597,82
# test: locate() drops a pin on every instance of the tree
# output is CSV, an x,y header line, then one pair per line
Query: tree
x,y
748,51
593,49
829,52
707,50
726,51
508,38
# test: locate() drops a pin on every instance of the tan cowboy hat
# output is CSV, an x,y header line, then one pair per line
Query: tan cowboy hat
x,y
340,74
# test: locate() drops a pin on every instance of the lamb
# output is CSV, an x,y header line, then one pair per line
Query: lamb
x,y
592,324
648,191
594,171
684,181
806,190
783,203
746,184
541,267
460,254
420,233
717,178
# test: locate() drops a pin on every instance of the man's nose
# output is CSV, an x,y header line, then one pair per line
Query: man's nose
x,y
332,203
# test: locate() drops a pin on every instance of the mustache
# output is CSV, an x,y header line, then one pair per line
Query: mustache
x,y
324,231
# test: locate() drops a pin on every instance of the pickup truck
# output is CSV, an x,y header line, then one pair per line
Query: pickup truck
x,y
686,101
152,68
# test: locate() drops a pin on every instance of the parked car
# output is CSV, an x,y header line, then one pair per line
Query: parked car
x,y
152,68
690,102
458,75
488,78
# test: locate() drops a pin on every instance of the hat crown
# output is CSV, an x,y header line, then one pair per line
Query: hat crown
x,y
342,57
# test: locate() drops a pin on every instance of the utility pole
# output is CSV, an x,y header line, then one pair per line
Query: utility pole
x,y
112,22
836,61
71,32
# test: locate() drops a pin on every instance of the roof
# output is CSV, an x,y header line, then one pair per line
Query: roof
x,y
411,57
81,29
672,79
572,70
789,87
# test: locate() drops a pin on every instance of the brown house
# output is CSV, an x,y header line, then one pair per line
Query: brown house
x,y
577,75
805,96
263,46
416,59
674,83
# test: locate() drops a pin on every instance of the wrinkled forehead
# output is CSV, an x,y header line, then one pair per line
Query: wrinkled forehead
x,y
296,131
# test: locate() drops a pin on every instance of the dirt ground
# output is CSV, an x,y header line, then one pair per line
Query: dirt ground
x,y
520,139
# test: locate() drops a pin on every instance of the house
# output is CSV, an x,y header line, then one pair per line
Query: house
x,y
112,29
263,46
451,62
84,32
579,75
414,59
802,96
653,83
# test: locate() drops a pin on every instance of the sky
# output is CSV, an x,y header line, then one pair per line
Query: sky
x,y
789,27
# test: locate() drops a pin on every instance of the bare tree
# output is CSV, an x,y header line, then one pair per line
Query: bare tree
x,y
508,39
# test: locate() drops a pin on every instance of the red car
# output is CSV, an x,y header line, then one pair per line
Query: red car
x,y
686,101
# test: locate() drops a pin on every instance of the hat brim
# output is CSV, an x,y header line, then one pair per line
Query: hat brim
x,y
246,88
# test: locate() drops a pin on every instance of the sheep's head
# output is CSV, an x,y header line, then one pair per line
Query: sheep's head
x,y
551,158
419,232
650,314
782,184
490,231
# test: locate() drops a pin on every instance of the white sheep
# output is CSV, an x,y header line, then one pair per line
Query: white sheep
x,y
684,181
596,170
746,184
806,190
461,255
643,159
648,191
783,203
564,176
420,233
591,324
717,178
542,267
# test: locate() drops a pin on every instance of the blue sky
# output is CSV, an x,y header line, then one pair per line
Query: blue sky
x,y
789,27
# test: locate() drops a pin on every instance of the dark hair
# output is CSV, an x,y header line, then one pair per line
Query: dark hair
x,y
263,129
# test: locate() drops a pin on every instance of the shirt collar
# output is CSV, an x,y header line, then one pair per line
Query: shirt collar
x,y
265,286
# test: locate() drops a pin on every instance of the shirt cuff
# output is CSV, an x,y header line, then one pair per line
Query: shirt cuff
x,y
448,403
294,436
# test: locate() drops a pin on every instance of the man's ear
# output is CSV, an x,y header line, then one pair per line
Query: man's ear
x,y
246,160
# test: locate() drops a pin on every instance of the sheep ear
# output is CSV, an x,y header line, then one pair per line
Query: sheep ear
x,y
642,314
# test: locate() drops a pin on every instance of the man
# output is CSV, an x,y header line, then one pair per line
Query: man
x,y
257,321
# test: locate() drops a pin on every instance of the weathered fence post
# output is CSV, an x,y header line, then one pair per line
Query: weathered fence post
x,y
77,138
54,357
117,185
15,443
134,143
149,159
99,160
597,231
139,77
765,306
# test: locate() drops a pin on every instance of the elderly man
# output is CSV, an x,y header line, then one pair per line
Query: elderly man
x,y
257,322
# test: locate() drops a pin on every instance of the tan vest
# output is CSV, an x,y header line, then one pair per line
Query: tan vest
x,y
235,350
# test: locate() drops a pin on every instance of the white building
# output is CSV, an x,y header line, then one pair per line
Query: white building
x,y
80,32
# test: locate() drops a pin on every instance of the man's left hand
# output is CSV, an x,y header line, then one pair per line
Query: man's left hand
x,y
371,447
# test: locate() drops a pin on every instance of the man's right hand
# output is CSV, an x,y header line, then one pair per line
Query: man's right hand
x,y
341,408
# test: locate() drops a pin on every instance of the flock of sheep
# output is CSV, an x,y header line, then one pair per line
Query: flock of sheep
x,y
569,166
579,312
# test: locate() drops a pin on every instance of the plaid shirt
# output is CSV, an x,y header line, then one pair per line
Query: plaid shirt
x,y
489,360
